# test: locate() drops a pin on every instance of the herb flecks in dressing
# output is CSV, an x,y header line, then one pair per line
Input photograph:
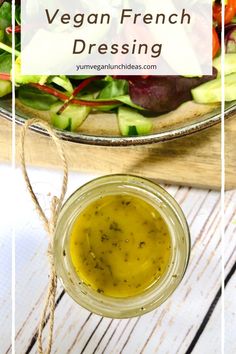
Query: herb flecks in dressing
x,y
120,245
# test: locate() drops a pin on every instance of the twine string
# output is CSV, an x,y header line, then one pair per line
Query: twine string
x,y
49,225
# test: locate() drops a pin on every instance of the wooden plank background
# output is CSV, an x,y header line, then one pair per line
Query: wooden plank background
x,y
171,329
174,327
193,160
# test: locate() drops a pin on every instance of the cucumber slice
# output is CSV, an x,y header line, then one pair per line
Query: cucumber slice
x,y
5,88
133,123
64,82
230,64
211,92
230,87
61,121
72,117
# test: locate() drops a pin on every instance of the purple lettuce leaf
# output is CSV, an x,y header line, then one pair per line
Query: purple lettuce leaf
x,y
230,38
162,94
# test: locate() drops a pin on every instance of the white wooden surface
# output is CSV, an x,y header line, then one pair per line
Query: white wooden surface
x,y
169,329
5,259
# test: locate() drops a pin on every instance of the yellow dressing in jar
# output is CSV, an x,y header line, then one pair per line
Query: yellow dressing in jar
x,y
120,245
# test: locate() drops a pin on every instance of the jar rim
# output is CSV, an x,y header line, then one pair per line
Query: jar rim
x,y
159,291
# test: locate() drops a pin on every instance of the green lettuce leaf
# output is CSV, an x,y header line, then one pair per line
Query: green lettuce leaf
x,y
34,98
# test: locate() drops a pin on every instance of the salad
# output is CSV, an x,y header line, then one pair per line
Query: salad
x,y
135,99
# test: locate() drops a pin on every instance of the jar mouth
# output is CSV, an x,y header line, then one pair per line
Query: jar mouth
x,y
157,293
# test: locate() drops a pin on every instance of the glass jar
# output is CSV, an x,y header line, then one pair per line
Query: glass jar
x,y
152,297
